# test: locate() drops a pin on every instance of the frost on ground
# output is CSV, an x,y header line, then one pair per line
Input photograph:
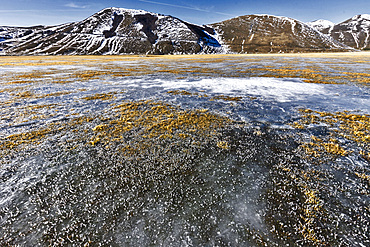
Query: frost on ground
x,y
185,150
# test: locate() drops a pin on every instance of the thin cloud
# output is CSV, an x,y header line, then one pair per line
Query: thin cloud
x,y
17,10
183,7
75,6
38,10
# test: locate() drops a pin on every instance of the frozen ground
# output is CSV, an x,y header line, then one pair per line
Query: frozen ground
x,y
185,151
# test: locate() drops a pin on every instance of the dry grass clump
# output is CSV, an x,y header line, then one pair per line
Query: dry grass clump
x,y
157,120
226,98
146,120
32,95
181,92
101,96
311,68
342,125
311,208
34,137
346,134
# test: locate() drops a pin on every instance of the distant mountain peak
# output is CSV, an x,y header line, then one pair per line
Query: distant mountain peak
x,y
361,17
354,32
320,24
117,10
269,33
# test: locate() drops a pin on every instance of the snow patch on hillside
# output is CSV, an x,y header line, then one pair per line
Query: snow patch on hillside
x,y
320,24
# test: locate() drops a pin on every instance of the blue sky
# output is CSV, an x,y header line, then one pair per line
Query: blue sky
x,y
36,12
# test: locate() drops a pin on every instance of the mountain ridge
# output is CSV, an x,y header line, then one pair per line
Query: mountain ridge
x,y
119,31
130,31
269,33
354,32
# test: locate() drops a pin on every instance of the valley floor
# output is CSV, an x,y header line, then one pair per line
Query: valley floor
x,y
195,150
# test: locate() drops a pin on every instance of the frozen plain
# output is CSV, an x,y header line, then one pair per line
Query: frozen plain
x,y
234,150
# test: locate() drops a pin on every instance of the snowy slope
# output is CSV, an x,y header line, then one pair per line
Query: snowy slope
x,y
10,35
121,31
353,32
127,31
16,32
268,33
320,24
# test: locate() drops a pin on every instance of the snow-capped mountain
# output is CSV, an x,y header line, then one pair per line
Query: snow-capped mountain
x,y
267,33
353,32
124,31
11,32
120,31
10,35
320,24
